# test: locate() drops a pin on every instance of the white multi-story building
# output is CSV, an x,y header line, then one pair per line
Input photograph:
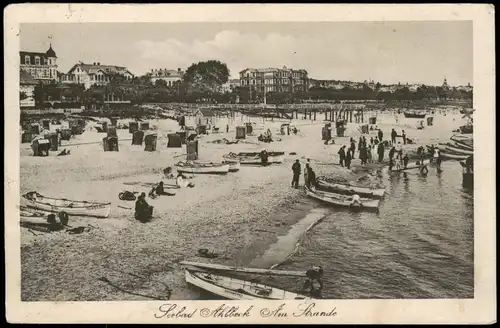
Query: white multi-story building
x,y
94,74
170,76
275,79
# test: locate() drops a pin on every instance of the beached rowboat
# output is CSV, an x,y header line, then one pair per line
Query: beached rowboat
x,y
410,166
220,267
237,289
245,160
457,150
445,155
199,168
414,115
362,191
71,207
253,154
234,166
340,200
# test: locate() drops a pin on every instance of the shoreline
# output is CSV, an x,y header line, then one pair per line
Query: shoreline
x,y
240,215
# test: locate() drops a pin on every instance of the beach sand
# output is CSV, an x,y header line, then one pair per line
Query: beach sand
x,y
238,215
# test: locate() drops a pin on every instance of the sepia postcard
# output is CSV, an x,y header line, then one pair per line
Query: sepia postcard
x,y
250,163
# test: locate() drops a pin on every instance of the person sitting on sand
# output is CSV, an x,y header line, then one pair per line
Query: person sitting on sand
x,y
143,211
160,189
264,157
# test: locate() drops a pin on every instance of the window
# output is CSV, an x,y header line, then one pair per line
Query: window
x,y
45,61
27,60
37,60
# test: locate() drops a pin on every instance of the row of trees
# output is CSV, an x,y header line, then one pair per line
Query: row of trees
x,y
202,82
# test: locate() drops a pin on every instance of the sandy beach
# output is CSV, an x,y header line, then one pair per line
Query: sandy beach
x,y
238,215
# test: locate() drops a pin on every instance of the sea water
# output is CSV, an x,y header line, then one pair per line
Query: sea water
x,y
419,245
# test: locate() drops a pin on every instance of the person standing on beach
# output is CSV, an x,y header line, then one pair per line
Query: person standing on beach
x,y
353,148
405,161
393,136
362,154
391,153
403,135
296,174
348,160
341,154
380,151
369,154
380,135
437,159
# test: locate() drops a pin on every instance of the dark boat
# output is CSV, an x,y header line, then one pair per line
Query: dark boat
x,y
414,115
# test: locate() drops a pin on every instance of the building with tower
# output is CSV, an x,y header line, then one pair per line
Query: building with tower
x,y
42,66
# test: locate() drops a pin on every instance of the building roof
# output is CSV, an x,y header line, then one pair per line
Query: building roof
x,y
51,52
166,73
206,112
93,69
26,79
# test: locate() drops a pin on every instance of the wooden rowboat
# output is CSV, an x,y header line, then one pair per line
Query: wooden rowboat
x,y
340,200
234,166
445,155
362,191
410,166
199,168
458,150
253,154
71,207
252,160
414,115
219,267
237,289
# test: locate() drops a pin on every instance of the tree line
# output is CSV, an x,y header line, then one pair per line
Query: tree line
x,y
202,82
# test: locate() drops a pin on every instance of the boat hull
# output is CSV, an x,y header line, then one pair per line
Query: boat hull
x,y
445,155
412,115
411,166
253,160
362,191
236,289
195,169
458,150
72,208
371,204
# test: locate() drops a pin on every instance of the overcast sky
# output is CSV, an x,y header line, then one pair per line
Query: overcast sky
x,y
388,52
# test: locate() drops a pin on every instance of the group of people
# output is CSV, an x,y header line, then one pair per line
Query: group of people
x,y
396,158
309,174
367,151
394,135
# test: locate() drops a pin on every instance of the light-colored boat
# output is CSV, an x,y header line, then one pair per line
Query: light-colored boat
x,y
342,200
458,150
237,289
410,166
199,168
71,207
253,154
343,188
245,160
220,267
446,155
234,166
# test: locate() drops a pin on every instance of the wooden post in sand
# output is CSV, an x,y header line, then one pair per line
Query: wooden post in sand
x,y
362,116
305,113
350,116
314,117
326,115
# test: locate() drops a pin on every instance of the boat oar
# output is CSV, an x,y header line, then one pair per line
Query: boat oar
x,y
127,208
